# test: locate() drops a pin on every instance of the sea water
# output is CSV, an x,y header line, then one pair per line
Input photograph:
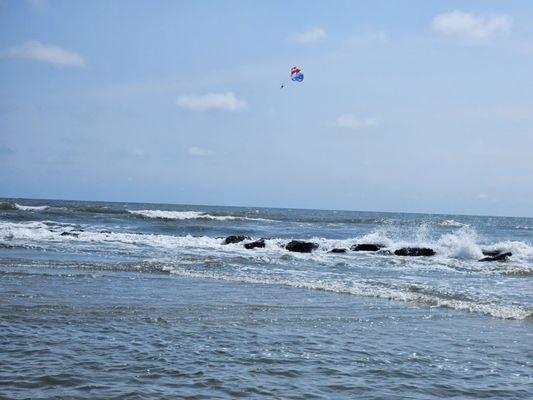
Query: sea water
x,y
128,300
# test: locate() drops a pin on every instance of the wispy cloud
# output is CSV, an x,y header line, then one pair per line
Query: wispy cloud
x,y
350,121
468,26
45,53
315,35
199,152
211,101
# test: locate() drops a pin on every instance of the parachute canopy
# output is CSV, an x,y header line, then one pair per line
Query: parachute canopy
x,y
297,74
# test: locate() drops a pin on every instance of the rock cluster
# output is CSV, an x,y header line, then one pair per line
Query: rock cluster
x,y
300,246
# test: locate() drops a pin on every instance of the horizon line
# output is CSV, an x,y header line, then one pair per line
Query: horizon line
x,y
269,207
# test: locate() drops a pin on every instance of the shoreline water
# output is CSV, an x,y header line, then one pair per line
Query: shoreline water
x,y
152,336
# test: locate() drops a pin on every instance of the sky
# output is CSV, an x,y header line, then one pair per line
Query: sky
x,y
412,106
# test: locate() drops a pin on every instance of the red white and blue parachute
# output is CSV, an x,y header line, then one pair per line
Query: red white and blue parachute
x,y
297,74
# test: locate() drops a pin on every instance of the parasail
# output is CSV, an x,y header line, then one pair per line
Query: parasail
x,y
297,74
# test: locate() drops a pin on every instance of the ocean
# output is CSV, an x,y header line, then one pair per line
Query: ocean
x,y
130,300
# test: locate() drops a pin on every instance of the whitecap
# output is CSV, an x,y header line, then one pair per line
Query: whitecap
x,y
451,223
30,208
184,215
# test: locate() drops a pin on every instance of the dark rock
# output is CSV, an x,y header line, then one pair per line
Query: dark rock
x,y
253,245
69,234
235,239
105,231
499,257
366,247
415,252
301,247
490,253
338,251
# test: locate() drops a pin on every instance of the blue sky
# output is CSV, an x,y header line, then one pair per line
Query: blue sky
x,y
416,106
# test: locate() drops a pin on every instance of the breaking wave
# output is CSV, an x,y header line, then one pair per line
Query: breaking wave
x,y
450,223
380,275
21,207
183,215
464,244
30,208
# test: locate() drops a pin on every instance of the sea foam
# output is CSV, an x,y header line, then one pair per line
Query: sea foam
x,y
395,278
464,244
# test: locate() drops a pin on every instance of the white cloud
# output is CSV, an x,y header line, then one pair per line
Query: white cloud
x,y
211,101
198,152
46,53
350,121
472,27
315,35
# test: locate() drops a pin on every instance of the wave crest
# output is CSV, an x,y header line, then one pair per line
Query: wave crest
x,y
367,289
184,215
15,206
450,223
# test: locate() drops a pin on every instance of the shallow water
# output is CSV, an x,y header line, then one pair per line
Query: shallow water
x,y
113,300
